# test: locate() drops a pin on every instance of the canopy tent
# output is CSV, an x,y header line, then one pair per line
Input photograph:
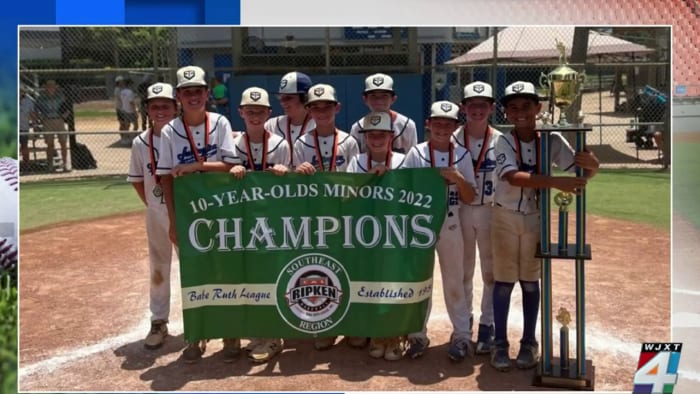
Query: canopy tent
x,y
531,44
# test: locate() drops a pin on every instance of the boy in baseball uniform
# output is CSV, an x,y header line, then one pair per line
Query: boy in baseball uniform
x,y
455,163
379,96
197,141
377,160
259,150
325,148
516,216
478,137
296,121
162,108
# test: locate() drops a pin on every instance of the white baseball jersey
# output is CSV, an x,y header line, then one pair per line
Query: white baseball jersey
x,y
420,156
483,157
359,164
515,155
278,152
282,126
140,169
175,147
305,149
405,134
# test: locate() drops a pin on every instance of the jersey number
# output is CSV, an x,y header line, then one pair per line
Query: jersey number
x,y
488,188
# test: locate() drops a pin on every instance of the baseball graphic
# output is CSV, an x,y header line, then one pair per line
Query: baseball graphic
x,y
9,182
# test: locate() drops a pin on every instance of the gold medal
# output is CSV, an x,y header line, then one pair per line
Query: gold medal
x,y
158,190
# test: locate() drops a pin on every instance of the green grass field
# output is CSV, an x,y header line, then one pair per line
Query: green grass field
x,y
91,113
686,181
639,196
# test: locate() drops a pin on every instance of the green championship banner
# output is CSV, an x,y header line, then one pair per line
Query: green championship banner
x,y
301,256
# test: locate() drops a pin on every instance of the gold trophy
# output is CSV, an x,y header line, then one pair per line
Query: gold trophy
x,y
564,317
564,84
563,200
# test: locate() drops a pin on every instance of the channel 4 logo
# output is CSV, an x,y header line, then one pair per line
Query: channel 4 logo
x,y
657,371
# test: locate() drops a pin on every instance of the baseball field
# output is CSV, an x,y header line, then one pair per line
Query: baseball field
x,y
84,303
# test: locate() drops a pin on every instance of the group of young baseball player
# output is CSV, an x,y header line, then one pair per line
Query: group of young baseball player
x,y
492,180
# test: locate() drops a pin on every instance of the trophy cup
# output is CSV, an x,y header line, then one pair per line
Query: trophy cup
x,y
564,84
564,317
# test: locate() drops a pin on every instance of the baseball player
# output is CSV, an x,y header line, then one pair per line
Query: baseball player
x,y
515,217
197,141
162,108
377,160
259,150
457,168
379,96
478,137
325,148
296,121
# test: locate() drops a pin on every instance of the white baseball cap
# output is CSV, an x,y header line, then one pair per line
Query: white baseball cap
x,y
255,96
379,82
376,121
119,78
321,92
520,89
444,109
160,90
478,89
294,83
191,76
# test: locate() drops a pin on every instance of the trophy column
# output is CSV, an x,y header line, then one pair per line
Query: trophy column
x,y
563,372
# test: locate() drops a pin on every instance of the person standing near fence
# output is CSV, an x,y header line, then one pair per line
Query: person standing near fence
x,y
49,107
516,216
478,137
455,163
259,150
296,121
197,141
379,96
118,86
127,97
219,93
27,114
162,108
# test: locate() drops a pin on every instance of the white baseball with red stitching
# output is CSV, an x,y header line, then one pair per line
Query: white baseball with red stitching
x,y
9,199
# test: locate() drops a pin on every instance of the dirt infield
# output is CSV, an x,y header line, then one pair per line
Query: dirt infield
x,y
84,313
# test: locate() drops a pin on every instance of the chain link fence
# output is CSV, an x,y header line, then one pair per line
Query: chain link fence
x,y
624,97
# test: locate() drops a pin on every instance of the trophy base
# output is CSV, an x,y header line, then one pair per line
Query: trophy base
x,y
569,253
550,128
566,379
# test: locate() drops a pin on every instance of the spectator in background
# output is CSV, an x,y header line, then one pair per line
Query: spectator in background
x,y
118,86
219,93
51,108
27,113
128,102
142,91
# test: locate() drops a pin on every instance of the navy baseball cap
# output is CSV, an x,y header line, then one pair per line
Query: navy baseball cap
x,y
294,83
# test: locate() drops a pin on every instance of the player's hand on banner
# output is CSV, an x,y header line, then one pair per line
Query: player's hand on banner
x,y
451,175
187,168
238,171
279,169
586,160
379,169
306,168
570,184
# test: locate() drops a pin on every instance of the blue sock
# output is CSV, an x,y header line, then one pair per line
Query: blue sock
x,y
531,307
501,306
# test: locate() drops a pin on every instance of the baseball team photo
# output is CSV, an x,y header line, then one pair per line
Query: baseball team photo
x,y
347,208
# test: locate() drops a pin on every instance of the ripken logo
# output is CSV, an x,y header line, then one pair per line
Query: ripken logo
x,y
479,88
319,91
446,107
189,74
255,96
313,293
518,87
283,84
378,81
157,89
375,120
